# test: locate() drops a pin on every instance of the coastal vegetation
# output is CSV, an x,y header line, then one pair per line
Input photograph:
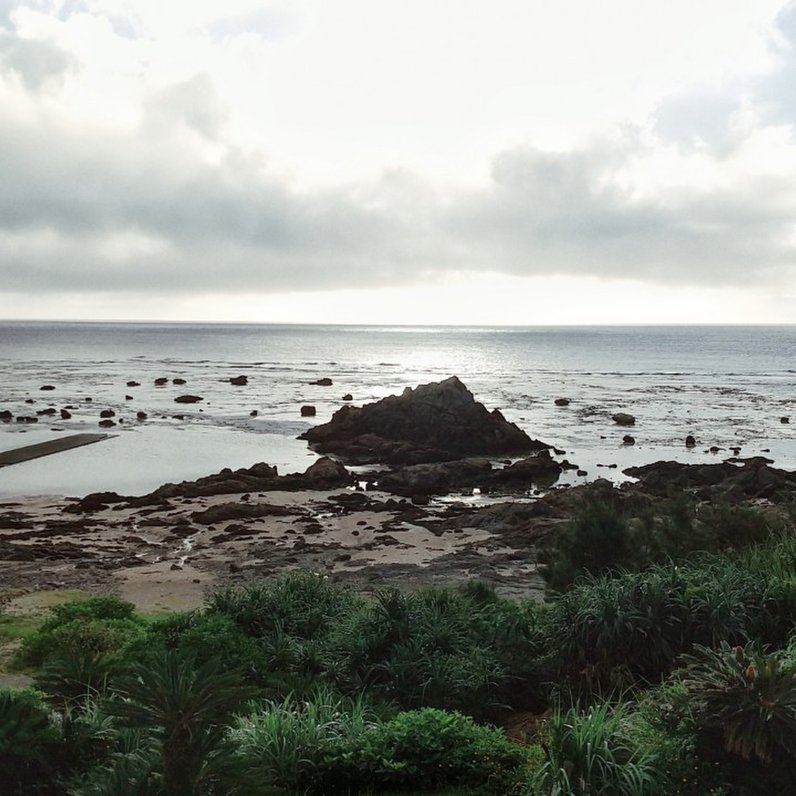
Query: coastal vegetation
x,y
663,661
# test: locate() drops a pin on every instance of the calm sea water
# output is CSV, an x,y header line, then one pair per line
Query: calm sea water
x,y
728,386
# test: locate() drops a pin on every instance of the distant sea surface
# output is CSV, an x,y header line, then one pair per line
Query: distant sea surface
x,y
728,386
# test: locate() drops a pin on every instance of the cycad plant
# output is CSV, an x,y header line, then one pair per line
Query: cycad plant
x,y
748,697
188,708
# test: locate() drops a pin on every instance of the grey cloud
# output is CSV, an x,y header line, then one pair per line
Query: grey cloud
x,y
66,202
35,62
193,102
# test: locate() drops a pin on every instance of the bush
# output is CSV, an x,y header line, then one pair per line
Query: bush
x,y
614,630
591,753
748,698
597,539
29,742
296,744
430,749
300,604
88,628
440,648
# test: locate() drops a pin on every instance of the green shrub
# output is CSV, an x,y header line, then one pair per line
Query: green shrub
x,y
430,749
88,628
748,697
440,648
614,630
295,744
300,604
81,637
30,741
592,753
597,539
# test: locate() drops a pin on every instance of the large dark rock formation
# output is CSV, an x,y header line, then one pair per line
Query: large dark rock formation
x,y
738,480
433,422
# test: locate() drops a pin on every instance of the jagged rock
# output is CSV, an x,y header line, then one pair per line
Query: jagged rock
x,y
239,381
752,478
433,422
237,511
784,420
308,411
435,478
322,474
65,414
623,419
188,399
538,468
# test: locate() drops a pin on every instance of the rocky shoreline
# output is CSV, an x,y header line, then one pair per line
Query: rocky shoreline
x,y
425,488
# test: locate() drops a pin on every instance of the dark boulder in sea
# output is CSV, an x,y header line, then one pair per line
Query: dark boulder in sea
x,y
253,413
628,440
107,413
623,419
749,478
141,415
160,381
106,423
562,402
784,420
48,411
128,397
188,399
6,416
178,381
690,441
47,387
308,411
347,397
239,381
27,419
324,382
133,384
440,421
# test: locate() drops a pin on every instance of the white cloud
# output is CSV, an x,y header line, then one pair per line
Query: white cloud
x,y
307,145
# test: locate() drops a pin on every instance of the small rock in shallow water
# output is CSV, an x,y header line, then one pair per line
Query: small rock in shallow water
x,y
562,402
784,420
690,442
308,411
239,381
623,419
628,440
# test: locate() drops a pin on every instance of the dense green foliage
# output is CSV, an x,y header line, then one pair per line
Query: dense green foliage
x,y
664,663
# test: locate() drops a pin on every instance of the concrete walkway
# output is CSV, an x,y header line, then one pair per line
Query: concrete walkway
x,y
17,455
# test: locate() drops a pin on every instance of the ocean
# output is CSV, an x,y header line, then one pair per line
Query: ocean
x,y
727,386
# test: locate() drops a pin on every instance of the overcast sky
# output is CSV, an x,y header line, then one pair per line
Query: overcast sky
x,y
399,161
